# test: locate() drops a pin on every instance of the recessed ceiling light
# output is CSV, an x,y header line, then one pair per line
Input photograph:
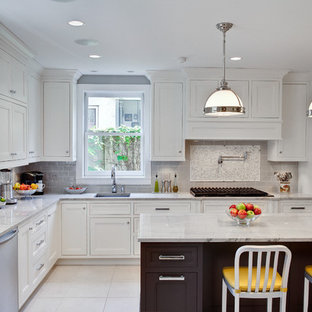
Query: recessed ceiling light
x,y
87,42
76,23
236,58
94,56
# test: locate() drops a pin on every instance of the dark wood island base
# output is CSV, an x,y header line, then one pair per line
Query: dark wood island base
x,y
186,277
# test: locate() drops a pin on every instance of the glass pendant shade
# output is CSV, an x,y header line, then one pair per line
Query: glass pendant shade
x,y
309,112
224,103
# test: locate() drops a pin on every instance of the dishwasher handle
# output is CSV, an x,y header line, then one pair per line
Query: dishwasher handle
x,y
8,236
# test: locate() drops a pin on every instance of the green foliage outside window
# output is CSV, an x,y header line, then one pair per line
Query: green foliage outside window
x,y
122,150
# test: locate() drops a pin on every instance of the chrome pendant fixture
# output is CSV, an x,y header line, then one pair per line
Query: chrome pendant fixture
x,y
224,101
309,112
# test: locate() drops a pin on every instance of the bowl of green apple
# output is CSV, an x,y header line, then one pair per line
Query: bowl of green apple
x,y
244,213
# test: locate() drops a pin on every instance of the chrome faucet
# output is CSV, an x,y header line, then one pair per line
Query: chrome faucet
x,y
113,176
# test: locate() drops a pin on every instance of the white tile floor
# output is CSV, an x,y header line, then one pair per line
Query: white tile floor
x,y
88,288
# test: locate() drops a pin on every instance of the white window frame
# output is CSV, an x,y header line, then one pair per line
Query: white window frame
x,y
130,178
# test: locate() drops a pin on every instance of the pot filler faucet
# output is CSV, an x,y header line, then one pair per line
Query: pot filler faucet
x,y
113,176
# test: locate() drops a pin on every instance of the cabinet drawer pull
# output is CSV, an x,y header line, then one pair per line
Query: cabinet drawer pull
x,y
171,258
40,222
49,215
297,208
31,152
40,242
13,154
162,209
172,278
12,91
40,267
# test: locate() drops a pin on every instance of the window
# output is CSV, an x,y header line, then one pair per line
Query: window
x,y
115,132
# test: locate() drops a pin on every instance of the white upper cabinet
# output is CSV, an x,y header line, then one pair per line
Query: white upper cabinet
x,y
35,116
293,145
5,129
265,99
59,115
19,132
56,119
12,78
13,127
168,140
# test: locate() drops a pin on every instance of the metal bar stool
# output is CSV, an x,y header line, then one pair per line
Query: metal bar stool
x,y
259,281
307,280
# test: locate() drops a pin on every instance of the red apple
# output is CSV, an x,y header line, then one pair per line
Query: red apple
x,y
242,214
232,206
249,206
233,212
257,211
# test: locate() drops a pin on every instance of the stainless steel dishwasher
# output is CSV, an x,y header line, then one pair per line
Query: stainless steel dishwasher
x,y
8,272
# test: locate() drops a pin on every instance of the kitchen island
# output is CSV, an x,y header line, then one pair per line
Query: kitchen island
x,y
182,258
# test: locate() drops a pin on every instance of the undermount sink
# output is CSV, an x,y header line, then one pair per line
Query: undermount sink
x,y
112,195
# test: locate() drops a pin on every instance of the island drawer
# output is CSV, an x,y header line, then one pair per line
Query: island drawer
x,y
111,208
162,206
295,206
170,256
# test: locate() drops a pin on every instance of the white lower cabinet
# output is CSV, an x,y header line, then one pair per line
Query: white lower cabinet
x,y
24,273
110,236
74,229
53,236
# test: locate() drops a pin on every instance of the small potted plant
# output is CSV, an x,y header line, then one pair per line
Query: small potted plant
x,y
284,178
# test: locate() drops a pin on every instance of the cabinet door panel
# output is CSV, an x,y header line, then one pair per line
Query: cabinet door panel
x,y
293,144
19,132
53,231
18,81
74,230
5,130
56,119
24,276
168,122
110,236
34,118
4,73
174,292
265,99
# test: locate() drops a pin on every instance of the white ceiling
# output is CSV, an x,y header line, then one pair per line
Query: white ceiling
x,y
144,35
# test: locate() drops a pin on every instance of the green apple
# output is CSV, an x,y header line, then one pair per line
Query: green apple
x,y
241,206
250,214
2,199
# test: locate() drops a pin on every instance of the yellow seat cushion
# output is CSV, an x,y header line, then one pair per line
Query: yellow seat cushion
x,y
228,274
308,269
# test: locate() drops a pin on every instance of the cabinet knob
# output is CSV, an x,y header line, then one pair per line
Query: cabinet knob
x,y
179,152
281,152
84,208
30,229
67,152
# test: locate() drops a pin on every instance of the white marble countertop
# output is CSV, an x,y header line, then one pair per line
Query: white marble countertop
x,y
220,228
13,215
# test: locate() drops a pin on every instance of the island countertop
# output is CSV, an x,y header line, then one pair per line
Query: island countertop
x,y
220,228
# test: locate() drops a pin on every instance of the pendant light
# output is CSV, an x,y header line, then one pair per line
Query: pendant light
x,y
224,101
309,112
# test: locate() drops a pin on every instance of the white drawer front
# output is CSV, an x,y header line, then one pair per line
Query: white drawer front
x,y
39,223
220,206
38,270
38,244
111,208
162,206
295,206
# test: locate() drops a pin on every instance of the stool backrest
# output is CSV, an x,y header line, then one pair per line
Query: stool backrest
x,y
268,252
